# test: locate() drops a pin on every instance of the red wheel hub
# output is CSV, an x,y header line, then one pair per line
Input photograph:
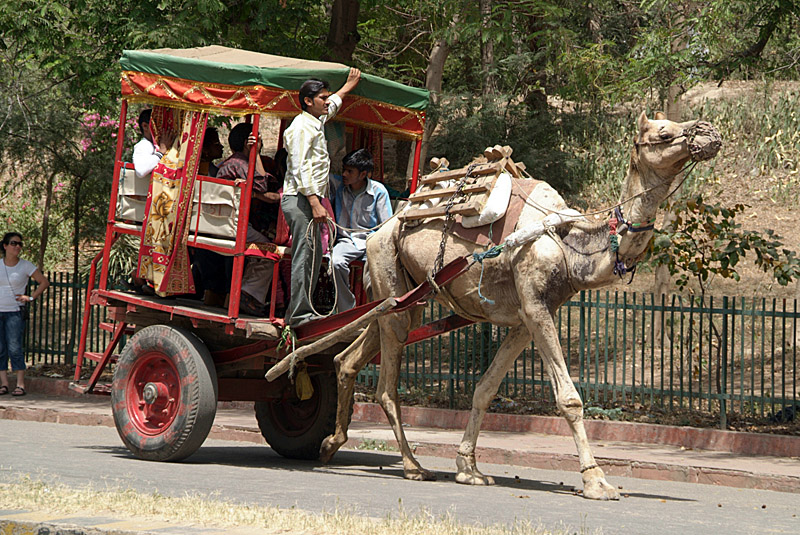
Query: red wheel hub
x,y
153,393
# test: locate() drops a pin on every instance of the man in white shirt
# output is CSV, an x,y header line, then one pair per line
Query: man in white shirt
x,y
145,155
306,182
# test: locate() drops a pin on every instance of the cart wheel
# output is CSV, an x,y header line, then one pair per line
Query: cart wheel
x,y
164,394
296,429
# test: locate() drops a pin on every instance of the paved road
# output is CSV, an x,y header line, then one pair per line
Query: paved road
x,y
370,483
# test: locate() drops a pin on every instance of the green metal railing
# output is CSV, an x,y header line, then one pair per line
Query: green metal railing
x,y
52,332
718,355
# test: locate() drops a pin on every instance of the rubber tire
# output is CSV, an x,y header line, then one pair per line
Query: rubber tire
x,y
184,355
301,439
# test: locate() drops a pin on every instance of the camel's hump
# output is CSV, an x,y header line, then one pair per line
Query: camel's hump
x,y
542,200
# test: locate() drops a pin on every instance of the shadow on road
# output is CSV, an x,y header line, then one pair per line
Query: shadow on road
x,y
262,457
357,463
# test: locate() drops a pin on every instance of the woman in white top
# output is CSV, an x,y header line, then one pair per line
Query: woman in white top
x,y
14,277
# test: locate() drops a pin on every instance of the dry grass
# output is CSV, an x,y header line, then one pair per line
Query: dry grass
x,y
212,511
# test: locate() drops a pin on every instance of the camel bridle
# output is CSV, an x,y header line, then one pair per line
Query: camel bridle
x,y
697,154
689,133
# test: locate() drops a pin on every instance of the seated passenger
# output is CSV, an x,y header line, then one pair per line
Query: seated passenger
x,y
212,150
360,204
211,271
145,159
145,154
257,276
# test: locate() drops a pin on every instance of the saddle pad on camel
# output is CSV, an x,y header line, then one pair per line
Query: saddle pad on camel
x,y
497,231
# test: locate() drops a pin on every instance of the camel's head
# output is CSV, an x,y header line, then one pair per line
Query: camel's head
x,y
666,146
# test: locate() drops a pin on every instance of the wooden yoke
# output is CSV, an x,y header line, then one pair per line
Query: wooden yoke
x,y
477,187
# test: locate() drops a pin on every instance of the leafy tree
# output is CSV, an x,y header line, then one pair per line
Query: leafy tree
x,y
710,241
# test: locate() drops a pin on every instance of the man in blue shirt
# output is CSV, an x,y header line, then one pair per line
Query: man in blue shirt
x,y
360,205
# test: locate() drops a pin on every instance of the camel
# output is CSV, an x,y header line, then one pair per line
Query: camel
x,y
526,285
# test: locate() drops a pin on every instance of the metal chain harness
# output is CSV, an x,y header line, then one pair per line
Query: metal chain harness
x,y
458,194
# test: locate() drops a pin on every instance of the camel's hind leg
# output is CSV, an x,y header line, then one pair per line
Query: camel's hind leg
x,y
545,336
348,363
394,333
516,340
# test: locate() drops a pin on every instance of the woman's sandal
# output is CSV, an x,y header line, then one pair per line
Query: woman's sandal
x,y
3,390
19,391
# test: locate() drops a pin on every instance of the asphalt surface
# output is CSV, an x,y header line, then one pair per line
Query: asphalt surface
x,y
371,484
52,434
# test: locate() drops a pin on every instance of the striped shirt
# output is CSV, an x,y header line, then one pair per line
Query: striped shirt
x,y
308,163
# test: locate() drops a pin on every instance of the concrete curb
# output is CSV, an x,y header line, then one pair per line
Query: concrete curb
x,y
53,416
689,437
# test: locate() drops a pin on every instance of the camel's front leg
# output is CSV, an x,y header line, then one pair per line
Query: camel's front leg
x,y
348,363
468,473
545,336
394,332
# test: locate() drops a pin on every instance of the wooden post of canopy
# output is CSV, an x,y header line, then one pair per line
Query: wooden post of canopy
x,y
415,171
112,206
281,130
241,230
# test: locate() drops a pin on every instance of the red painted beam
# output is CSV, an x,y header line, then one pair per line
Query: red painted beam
x,y
443,276
238,389
435,328
236,354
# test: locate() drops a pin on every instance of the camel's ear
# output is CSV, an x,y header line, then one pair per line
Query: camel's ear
x,y
643,122
660,115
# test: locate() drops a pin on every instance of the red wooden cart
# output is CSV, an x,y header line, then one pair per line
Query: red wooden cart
x,y
183,357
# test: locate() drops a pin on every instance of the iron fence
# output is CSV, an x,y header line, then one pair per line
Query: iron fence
x,y
714,355
53,330
727,354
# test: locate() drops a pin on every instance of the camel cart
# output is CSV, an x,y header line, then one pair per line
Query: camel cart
x,y
181,357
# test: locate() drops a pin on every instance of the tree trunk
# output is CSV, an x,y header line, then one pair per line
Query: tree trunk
x,y
797,300
343,32
48,201
75,312
673,108
433,83
593,24
489,84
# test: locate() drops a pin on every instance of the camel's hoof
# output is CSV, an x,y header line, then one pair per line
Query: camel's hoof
x,y
597,488
468,473
419,474
327,449
474,478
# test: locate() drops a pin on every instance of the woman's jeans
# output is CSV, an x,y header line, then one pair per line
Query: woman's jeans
x,y
11,329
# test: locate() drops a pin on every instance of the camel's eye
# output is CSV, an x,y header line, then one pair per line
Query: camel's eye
x,y
665,135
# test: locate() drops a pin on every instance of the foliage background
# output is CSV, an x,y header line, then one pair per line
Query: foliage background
x,y
558,80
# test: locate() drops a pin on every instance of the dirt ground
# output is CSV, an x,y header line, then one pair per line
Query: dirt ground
x,y
738,179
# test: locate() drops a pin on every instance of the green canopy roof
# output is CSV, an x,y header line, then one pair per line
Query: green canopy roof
x,y
222,65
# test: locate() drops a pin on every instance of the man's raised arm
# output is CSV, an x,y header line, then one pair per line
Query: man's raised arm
x,y
353,77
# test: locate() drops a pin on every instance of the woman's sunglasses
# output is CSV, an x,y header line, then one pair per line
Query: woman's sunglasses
x,y
15,242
